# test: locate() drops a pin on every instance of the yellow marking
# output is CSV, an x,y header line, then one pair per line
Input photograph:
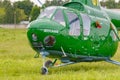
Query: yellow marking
x,y
95,2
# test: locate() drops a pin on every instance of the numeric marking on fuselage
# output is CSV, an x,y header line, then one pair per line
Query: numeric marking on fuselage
x,y
51,31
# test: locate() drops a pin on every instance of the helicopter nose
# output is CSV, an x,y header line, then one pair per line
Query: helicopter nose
x,y
40,30
46,25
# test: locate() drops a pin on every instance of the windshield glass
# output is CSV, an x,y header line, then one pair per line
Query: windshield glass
x,y
59,17
74,23
86,24
47,12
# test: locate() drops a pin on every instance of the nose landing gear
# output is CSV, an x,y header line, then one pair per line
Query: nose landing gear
x,y
44,69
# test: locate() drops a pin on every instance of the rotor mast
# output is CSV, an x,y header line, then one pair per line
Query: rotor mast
x,y
91,3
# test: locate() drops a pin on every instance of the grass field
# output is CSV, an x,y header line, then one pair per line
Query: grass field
x,y
17,62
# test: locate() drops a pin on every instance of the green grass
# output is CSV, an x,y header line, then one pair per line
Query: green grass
x,y
17,62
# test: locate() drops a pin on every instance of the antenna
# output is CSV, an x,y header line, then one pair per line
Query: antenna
x,y
40,2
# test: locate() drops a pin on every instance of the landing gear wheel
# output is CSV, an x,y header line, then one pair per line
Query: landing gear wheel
x,y
44,70
48,63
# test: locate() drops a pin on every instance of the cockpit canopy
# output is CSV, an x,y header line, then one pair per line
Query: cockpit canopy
x,y
55,13
48,12
68,18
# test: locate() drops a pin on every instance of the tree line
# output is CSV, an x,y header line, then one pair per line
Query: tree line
x,y
111,4
13,13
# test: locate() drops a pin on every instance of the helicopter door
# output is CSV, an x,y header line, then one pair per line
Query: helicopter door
x,y
87,45
73,31
86,25
74,24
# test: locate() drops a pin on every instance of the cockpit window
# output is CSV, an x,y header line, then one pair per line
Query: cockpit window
x,y
86,24
74,24
48,12
58,17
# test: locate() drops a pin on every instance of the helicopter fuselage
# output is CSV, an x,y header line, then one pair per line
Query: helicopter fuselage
x,y
73,32
78,31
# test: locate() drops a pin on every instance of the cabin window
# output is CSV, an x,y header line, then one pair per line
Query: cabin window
x,y
58,17
86,24
48,12
74,24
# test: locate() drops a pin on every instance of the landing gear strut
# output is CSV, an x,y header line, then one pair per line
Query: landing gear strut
x,y
113,62
44,69
49,63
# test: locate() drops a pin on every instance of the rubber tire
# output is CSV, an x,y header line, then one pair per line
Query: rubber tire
x,y
44,71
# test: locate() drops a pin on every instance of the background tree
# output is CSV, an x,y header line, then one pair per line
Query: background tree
x,y
20,15
0,3
55,2
26,5
110,4
9,12
34,13
118,4
2,15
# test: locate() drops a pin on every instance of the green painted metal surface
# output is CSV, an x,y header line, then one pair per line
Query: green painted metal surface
x,y
100,42
114,17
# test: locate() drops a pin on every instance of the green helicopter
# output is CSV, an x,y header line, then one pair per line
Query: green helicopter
x,y
78,31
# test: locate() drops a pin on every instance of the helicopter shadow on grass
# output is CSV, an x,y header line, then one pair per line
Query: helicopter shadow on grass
x,y
84,67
